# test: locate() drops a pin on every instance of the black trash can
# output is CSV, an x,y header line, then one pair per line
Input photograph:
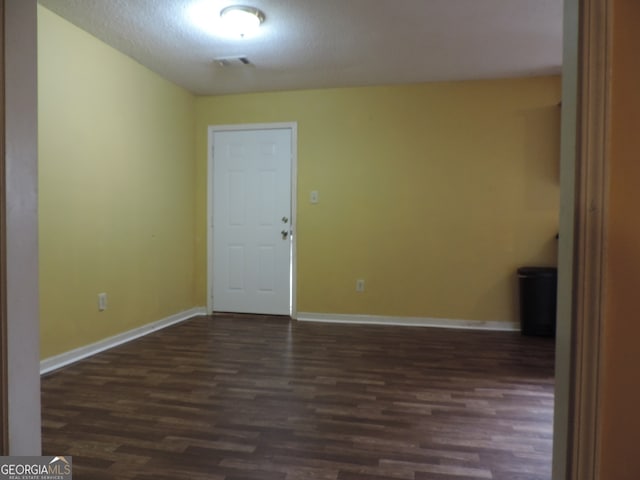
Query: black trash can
x,y
538,296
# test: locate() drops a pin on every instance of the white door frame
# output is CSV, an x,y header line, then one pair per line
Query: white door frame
x,y
293,126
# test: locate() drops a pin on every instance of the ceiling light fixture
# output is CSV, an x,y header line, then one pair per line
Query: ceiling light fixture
x,y
241,20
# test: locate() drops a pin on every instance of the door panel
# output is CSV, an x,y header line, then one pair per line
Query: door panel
x,y
251,197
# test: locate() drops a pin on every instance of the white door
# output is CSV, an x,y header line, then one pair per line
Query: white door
x,y
252,221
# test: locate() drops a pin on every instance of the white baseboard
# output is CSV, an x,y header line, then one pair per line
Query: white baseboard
x,y
58,361
409,321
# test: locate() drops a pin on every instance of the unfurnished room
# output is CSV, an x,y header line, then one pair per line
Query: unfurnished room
x,y
304,240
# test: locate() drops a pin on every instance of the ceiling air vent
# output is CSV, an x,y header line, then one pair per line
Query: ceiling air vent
x,y
232,61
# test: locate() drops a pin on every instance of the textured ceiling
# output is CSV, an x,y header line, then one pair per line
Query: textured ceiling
x,y
331,43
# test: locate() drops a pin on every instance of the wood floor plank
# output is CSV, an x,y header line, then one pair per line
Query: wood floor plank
x,y
234,397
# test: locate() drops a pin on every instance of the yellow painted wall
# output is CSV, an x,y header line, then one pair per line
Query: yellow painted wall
x,y
116,180
433,193
620,388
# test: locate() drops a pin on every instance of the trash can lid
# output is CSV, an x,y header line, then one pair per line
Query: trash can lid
x,y
537,271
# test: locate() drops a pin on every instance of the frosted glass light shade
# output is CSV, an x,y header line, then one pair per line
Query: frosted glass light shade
x,y
240,20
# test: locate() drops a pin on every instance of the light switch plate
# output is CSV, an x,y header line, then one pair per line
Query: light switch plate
x,y
102,302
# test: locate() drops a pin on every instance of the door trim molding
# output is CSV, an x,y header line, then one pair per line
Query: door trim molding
x,y
4,394
590,244
293,126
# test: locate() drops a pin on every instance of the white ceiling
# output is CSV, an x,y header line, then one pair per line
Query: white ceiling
x,y
331,43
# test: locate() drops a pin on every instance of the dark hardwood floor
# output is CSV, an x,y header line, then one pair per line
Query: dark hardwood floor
x,y
239,398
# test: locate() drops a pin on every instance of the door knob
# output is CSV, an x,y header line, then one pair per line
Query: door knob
x,y
285,234
285,219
